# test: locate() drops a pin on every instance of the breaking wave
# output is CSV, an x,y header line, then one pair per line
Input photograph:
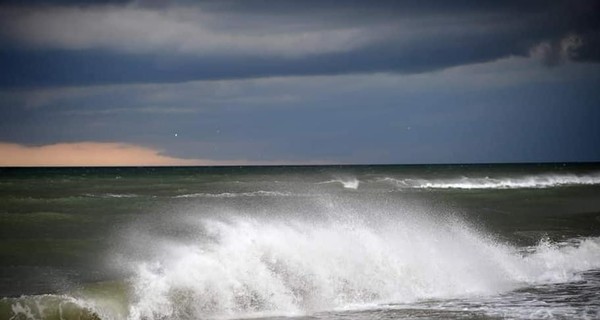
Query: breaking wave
x,y
260,193
50,307
112,195
532,181
347,183
242,266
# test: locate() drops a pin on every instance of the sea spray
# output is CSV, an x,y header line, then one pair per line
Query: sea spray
x,y
242,266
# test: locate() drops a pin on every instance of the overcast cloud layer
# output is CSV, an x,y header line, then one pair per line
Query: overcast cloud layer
x,y
70,44
305,81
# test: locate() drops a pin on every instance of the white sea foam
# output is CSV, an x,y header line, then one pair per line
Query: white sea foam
x,y
530,181
259,193
348,183
112,195
243,266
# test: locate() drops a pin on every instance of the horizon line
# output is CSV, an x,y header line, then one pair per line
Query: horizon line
x,y
597,162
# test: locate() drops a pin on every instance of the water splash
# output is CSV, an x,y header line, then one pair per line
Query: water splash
x,y
242,266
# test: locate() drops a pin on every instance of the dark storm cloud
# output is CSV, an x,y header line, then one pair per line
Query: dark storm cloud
x,y
62,2
154,41
35,68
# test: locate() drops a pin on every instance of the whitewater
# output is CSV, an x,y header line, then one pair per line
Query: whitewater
x,y
251,268
390,242
519,182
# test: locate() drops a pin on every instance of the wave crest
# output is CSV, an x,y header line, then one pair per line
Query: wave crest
x,y
260,193
524,182
347,183
243,267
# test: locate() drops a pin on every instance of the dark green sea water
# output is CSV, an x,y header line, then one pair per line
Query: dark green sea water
x,y
322,242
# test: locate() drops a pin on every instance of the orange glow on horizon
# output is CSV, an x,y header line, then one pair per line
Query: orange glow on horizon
x,y
89,154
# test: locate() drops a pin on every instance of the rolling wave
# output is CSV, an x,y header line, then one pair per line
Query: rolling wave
x,y
112,195
259,193
51,307
245,267
347,183
524,182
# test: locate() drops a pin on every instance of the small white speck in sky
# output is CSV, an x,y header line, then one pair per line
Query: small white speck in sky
x,y
176,134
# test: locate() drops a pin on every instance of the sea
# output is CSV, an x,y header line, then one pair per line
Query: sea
x,y
486,241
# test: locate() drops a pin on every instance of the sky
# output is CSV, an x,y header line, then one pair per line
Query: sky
x,y
250,82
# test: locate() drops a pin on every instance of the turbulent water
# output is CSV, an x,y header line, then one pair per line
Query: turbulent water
x,y
330,242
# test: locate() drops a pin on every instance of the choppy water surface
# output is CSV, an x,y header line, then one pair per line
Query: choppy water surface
x,y
351,242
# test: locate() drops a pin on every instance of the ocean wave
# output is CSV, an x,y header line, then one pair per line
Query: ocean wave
x,y
250,268
260,193
49,307
246,267
347,183
111,195
524,182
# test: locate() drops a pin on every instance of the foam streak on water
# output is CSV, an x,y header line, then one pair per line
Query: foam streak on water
x,y
533,181
259,193
243,267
